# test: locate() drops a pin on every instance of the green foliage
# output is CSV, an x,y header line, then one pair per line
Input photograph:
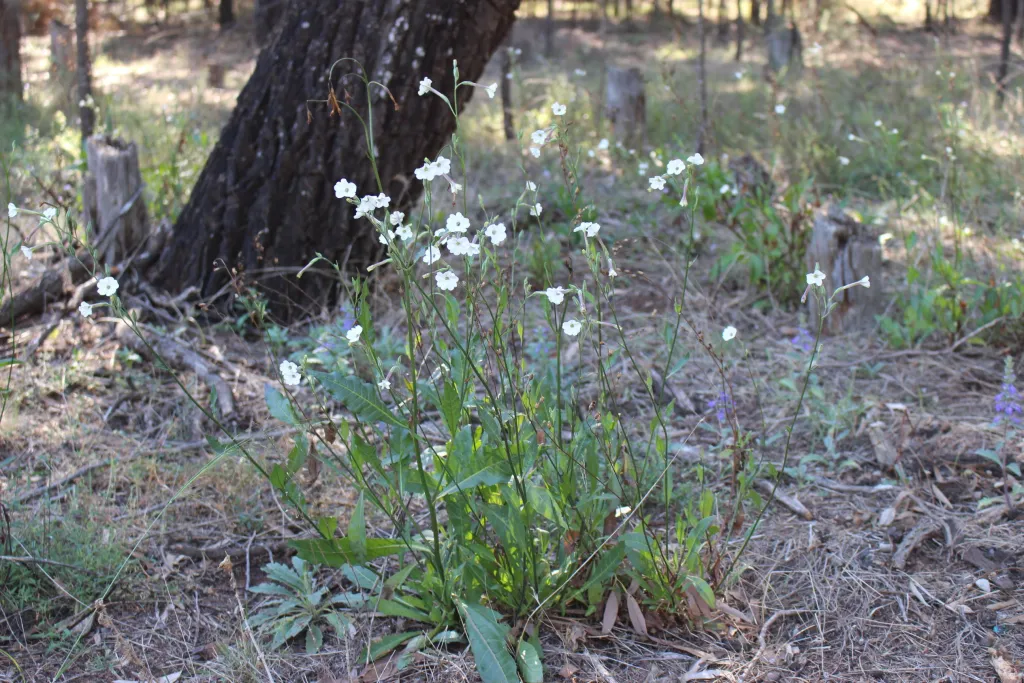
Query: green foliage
x,y
298,605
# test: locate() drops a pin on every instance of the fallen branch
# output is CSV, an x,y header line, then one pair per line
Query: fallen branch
x,y
762,637
52,286
925,528
39,560
789,502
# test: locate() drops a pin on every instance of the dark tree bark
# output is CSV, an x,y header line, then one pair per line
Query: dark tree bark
x,y
264,204
506,94
1004,51
10,53
86,112
755,12
266,15
226,14
549,29
723,21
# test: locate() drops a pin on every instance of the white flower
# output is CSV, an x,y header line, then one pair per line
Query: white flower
x,y
851,137
738,75
290,373
675,167
895,131
425,86
729,333
536,209
572,327
817,278
85,309
878,123
657,182
432,169
432,255
50,213
26,252
405,232
491,90
843,161
460,246
642,167
591,229
443,166
611,269
370,203
780,109
12,210
603,144
447,280
864,282
107,286
558,109
495,232
696,160
384,384
555,295
344,189
385,240
454,186
531,186
397,217
354,334
457,223
591,153
724,189
580,72
539,137
535,151
623,511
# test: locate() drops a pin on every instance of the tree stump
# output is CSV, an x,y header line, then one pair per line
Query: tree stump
x,y
846,251
625,105
62,65
785,48
215,75
114,207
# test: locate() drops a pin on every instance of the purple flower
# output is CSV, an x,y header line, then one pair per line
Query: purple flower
x,y
803,340
348,320
1008,402
722,405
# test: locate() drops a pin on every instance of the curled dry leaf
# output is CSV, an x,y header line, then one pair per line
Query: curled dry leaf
x,y
636,615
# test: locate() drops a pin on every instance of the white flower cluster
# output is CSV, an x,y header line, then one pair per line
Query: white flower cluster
x,y
433,169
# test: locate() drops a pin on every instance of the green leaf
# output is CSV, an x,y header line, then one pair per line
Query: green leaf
x,y
339,551
359,397
451,406
314,639
529,663
357,531
605,567
280,407
705,591
489,475
385,645
486,636
393,608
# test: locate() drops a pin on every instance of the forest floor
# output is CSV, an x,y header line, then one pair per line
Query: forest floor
x,y
905,571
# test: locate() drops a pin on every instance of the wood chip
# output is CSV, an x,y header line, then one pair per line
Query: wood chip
x,y
925,528
787,501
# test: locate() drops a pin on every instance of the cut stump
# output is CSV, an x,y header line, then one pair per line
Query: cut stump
x,y
114,207
625,105
846,251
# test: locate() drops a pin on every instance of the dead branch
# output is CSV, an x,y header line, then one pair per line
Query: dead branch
x,y
925,528
52,285
790,502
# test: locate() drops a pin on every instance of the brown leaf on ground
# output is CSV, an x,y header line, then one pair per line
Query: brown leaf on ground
x,y
636,615
1005,669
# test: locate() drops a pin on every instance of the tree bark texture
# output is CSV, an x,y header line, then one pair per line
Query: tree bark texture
x,y
86,113
1004,50
226,13
264,203
10,54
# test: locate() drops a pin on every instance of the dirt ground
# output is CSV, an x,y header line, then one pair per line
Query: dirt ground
x,y
882,565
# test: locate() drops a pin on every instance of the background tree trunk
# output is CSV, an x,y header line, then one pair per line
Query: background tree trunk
x,y
740,29
702,77
226,15
10,54
1004,52
755,12
264,203
86,112
266,14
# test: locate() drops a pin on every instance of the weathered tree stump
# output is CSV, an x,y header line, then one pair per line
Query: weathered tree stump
x,y
625,105
62,65
114,207
784,46
752,178
215,75
846,251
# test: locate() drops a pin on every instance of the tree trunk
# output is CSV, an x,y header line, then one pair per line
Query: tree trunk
x,y
86,111
625,105
266,15
740,29
723,22
10,54
113,199
506,94
1004,52
264,204
63,74
549,30
226,15
702,77
755,12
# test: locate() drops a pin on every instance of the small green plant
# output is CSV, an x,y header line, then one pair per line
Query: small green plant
x,y
297,605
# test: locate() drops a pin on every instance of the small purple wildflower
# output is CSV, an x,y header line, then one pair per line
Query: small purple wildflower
x,y
1008,401
803,340
722,405
348,320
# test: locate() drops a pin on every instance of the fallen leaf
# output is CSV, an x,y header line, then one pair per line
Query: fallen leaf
x,y
636,615
1004,668
568,671
887,517
611,613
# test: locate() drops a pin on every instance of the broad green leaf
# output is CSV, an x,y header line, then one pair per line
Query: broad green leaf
x,y
359,397
495,473
529,663
314,639
357,531
605,567
339,551
385,645
705,591
486,636
451,406
280,407
394,608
